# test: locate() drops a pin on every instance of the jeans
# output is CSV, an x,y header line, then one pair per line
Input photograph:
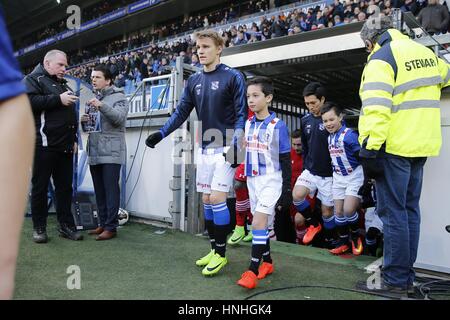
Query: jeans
x,y
398,195
107,194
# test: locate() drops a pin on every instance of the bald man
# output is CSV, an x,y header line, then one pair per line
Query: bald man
x,y
53,105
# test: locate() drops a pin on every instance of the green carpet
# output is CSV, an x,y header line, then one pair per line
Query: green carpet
x,y
142,264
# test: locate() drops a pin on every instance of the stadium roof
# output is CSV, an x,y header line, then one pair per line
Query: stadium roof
x,y
26,16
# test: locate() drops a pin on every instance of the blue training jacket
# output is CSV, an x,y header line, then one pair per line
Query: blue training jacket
x,y
315,146
219,98
10,75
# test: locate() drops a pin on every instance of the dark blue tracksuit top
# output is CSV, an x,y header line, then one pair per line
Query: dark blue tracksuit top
x,y
219,98
10,75
315,146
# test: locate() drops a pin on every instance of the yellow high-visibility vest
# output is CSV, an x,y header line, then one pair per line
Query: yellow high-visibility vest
x,y
400,93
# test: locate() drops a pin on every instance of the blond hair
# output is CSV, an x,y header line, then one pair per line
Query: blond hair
x,y
213,35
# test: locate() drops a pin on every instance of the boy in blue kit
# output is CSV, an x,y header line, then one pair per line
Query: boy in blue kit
x,y
348,178
268,171
218,95
317,173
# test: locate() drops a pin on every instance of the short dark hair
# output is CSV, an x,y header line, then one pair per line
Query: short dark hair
x,y
296,134
314,89
328,106
105,70
265,83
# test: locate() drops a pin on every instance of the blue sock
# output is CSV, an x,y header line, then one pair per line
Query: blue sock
x,y
209,224
304,208
259,247
221,226
329,223
342,229
353,224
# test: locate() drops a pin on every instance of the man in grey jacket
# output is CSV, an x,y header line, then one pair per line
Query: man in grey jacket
x,y
107,149
434,17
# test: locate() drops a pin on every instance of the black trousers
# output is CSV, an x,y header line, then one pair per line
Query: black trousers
x,y
107,193
59,166
284,226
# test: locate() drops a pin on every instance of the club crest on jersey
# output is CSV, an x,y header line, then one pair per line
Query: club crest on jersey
x,y
321,127
308,129
215,85
198,88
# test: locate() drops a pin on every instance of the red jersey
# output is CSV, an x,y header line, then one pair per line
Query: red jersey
x,y
297,166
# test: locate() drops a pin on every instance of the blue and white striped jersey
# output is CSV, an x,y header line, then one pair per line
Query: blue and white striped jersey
x,y
265,140
343,145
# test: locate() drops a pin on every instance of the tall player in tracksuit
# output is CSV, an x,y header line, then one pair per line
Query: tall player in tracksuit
x,y
268,171
218,95
348,178
317,173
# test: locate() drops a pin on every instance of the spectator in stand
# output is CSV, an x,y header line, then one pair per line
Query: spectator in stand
x,y
348,12
434,18
361,16
240,39
337,21
266,33
195,60
279,28
144,68
120,81
320,19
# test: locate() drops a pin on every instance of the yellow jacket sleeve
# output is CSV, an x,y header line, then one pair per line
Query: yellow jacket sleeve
x,y
376,89
444,70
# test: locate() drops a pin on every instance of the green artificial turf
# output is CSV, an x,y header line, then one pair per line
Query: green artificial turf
x,y
142,264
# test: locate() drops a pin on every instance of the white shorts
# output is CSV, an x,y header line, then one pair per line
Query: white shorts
x,y
313,183
264,192
348,185
213,172
372,220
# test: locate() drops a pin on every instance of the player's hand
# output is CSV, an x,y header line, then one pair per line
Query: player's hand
x,y
84,118
68,98
234,156
366,193
153,139
371,164
285,201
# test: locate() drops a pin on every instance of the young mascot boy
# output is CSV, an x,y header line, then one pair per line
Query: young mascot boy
x,y
268,171
348,178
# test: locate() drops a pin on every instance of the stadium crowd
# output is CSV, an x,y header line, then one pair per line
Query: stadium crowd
x,y
154,52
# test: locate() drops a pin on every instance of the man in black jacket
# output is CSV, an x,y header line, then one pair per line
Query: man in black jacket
x,y
53,105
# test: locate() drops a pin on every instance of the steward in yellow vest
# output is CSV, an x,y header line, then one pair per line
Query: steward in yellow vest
x,y
399,127
400,92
